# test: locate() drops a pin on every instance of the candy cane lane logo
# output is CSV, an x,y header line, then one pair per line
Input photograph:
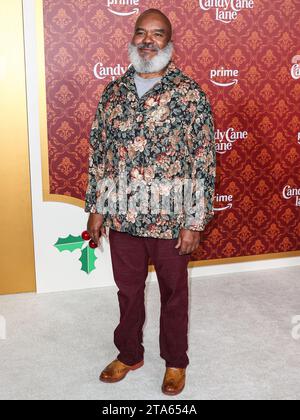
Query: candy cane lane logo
x,y
226,10
224,73
225,139
295,70
225,201
102,72
112,3
290,192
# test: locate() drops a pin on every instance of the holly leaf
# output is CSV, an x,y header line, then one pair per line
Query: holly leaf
x,y
70,243
88,259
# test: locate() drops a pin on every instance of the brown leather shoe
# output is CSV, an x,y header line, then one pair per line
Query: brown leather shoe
x,y
174,381
117,370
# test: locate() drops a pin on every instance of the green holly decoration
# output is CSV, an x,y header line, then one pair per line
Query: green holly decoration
x,y
88,259
71,243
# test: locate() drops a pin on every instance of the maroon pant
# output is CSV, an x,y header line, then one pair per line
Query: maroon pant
x,y
130,256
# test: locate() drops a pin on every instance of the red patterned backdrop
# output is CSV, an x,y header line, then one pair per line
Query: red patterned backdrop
x,y
245,56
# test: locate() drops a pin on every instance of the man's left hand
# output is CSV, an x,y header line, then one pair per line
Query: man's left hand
x,y
188,241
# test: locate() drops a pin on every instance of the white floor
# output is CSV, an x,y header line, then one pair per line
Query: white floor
x,y
240,342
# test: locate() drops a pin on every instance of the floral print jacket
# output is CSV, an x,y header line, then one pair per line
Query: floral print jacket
x,y
167,134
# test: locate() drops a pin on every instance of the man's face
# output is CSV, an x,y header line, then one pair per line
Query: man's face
x,y
151,35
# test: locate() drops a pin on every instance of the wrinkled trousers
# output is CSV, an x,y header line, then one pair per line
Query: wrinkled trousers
x,y
130,255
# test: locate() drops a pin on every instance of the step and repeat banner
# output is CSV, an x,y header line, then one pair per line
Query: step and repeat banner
x,y
245,54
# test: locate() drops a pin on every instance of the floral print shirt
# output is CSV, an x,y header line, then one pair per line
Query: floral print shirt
x,y
167,134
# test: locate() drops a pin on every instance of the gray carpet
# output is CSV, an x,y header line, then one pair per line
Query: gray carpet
x,y
240,344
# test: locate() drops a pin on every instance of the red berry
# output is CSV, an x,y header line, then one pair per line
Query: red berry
x,y
85,235
92,244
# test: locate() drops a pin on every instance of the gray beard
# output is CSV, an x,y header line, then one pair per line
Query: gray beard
x,y
156,64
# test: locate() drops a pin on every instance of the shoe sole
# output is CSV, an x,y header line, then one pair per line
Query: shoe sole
x,y
174,392
133,367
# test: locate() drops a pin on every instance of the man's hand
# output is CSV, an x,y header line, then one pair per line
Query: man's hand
x,y
95,227
188,241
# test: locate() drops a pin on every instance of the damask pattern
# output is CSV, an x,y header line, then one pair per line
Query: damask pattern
x,y
243,65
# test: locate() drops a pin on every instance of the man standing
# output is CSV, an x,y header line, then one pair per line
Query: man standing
x,y
154,126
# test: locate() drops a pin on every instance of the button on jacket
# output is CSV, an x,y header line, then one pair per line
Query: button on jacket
x,y
161,139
